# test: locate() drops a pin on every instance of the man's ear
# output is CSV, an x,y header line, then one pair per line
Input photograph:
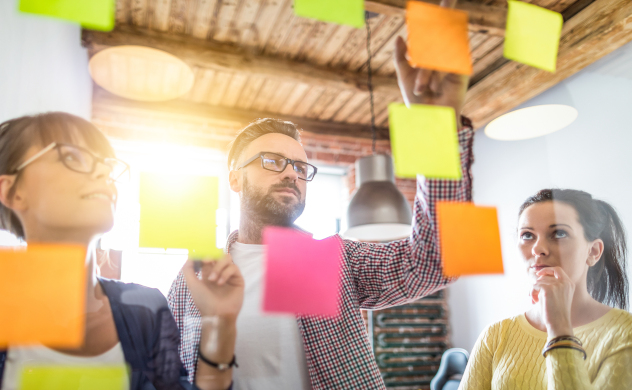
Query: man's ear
x,y
12,201
235,180
595,251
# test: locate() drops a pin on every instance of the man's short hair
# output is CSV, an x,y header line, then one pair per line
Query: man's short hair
x,y
255,130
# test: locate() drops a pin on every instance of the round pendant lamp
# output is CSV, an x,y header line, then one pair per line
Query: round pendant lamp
x,y
377,211
547,113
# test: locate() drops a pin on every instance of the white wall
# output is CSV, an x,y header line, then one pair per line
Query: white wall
x,y
42,65
593,154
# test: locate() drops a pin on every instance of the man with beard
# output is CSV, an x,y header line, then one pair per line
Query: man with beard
x,y
269,170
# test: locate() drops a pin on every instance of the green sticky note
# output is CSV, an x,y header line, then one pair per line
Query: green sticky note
x,y
532,35
349,12
76,378
179,211
91,14
424,141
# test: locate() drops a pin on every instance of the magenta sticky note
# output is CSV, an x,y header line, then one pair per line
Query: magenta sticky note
x,y
302,274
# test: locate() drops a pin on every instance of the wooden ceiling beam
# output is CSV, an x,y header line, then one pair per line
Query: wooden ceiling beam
x,y
226,58
482,18
213,119
597,30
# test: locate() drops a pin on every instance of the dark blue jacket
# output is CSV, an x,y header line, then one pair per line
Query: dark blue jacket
x,y
148,334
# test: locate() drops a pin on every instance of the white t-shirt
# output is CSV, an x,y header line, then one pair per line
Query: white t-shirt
x,y
17,358
269,348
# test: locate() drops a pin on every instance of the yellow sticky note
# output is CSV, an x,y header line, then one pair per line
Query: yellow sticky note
x,y
112,377
470,239
349,12
532,35
424,141
42,296
92,14
179,211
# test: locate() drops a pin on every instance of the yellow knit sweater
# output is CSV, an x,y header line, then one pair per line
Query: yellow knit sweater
x,y
508,355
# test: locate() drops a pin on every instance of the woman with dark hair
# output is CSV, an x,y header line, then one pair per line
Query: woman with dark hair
x,y
578,334
57,175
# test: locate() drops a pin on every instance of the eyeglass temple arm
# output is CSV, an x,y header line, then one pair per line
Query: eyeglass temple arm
x,y
38,155
249,161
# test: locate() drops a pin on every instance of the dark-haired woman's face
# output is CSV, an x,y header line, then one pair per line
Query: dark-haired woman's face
x,y
52,200
550,235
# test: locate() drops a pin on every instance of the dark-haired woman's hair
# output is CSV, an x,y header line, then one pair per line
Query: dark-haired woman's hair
x,y
18,135
607,280
255,130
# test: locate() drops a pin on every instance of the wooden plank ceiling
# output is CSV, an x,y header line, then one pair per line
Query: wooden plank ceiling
x,y
257,56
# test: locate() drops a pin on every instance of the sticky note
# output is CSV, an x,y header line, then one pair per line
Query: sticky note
x,y
42,296
438,38
470,239
179,211
110,377
349,12
424,141
302,274
92,14
532,35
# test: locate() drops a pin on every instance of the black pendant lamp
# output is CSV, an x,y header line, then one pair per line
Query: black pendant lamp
x,y
377,211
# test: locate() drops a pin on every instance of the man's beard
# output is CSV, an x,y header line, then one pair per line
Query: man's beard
x,y
269,210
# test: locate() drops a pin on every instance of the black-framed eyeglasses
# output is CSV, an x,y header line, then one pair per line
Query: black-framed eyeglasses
x,y
277,163
82,160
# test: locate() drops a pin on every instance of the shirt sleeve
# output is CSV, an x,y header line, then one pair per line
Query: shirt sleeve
x,y
566,370
401,271
479,371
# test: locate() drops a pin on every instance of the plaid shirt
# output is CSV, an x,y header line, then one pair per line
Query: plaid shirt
x,y
374,276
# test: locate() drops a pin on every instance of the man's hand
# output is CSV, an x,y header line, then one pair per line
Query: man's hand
x,y
220,292
425,86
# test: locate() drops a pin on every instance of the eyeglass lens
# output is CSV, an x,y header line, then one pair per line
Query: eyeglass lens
x,y
278,163
83,161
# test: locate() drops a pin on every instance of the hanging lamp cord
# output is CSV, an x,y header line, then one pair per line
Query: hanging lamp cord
x,y
370,80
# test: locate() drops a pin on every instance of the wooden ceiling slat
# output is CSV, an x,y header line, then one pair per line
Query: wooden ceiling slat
x,y
482,68
282,28
320,36
201,22
160,11
294,98
308,101
334,44
225,25
301,29
123,12
323,101
339,101
245,21
486,47
179,16
363,110
381,103
280,96
237,84
139,13
353,104
379,38
562,5
476,39
265,23
385,54
203,81
265,94
218,87
250,91
355,44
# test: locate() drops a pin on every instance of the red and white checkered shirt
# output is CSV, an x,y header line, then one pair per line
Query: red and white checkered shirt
x,y
374,276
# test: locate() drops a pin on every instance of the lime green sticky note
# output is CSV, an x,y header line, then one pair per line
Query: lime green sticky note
x,y
349,12
92,14
179,211
424,141
113,377
532,35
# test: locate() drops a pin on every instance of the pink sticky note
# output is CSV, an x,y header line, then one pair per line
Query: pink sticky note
x,y
302,274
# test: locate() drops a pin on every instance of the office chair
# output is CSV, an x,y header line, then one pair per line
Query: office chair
x,y
453,363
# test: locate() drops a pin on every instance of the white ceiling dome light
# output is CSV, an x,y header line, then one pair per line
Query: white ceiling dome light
x,y
547,113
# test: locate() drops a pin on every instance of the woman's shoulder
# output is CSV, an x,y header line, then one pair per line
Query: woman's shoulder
x,y
132,294
495,332
616,325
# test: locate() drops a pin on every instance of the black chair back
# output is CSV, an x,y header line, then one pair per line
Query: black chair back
x,y
453,362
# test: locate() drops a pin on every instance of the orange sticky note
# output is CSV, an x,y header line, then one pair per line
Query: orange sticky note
x,y
470,239
438,38
42,296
